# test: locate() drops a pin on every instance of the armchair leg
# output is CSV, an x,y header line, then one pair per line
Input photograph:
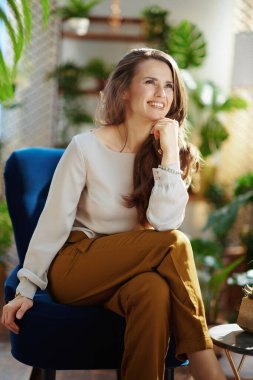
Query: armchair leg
x,y
43,374
169,374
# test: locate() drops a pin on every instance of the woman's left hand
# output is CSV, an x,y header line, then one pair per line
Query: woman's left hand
x,y
166,130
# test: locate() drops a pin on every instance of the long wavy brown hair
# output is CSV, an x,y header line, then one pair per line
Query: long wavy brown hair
x,y
111,111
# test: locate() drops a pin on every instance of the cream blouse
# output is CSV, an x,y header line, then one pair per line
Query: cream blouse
x,y
86,194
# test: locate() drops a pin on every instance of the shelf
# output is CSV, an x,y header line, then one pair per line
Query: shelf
x,y
130,30
103,37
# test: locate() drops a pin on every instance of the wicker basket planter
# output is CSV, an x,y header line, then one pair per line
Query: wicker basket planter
x,y
245,316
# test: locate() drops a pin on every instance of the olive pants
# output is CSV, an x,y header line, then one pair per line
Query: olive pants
x,y
148,277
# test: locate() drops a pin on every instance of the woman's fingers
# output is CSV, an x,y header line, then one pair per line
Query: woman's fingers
x,y
15,309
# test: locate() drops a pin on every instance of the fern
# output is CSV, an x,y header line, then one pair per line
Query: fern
x,y
19,31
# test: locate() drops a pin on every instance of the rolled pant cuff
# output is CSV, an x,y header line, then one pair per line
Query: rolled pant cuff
x,y
183,349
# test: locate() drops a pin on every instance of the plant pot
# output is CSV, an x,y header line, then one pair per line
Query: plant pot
x,y
78,25
245,317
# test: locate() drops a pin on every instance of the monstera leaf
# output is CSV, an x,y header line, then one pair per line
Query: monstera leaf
x,y
187,45
19,31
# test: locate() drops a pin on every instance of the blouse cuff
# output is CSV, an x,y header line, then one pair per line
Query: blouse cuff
x,y
162,175
26,288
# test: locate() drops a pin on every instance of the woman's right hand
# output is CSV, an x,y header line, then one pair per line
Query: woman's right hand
x,y
15,309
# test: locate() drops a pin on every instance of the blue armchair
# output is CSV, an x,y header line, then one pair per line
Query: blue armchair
x,y
55,336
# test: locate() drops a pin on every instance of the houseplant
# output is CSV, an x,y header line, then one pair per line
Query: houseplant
x,y
221,220
19,29
70,79
207,107
76,13
97,69
185,42
212,273
156,28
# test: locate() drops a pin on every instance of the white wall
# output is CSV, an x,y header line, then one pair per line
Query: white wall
x,y
214,18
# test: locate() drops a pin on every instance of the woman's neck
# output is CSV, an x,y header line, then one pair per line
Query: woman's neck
x,y
133,134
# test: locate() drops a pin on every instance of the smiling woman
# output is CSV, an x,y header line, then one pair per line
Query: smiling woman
x,y
108,234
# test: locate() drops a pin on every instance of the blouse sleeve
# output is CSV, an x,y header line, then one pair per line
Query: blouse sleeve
x,y
56,220
168,199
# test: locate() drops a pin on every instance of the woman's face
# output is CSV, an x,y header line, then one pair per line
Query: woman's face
x,y
150,94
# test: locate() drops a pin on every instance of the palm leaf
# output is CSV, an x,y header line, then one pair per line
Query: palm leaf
x,y
20,29
27,19
19,34
5,81
46,11
11,32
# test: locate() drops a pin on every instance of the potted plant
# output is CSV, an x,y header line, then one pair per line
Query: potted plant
x,y
221,220
96,68
185,42
245,316
207,107
212,273
76,13
155,24
69,77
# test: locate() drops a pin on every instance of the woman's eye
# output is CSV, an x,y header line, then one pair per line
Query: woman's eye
x,y
169,85
149,81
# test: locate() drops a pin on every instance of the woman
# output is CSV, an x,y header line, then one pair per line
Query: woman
x,y
107,235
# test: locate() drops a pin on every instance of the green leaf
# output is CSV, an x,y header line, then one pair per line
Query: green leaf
x,y
46,11
233,103
6,86
243,184
207,253
187,45
11,33
20,29
19,33
27,14
219,277
221,220
213,134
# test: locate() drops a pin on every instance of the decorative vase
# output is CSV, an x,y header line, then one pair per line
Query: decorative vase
x,y
78,25
245,316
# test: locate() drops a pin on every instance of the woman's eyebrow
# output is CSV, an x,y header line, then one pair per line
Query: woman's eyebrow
x,y
156,79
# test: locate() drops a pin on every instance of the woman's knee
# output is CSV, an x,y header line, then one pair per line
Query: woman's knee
x,y
152,290
176,239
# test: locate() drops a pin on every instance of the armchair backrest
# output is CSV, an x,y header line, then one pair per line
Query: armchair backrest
x,y
27,175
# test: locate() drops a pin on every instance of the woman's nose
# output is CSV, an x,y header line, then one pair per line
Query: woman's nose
x,y
160,91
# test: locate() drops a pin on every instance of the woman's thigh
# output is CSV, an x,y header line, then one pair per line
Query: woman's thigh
x,y
91,270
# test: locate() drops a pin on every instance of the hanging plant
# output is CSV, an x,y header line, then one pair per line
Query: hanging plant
x,y
187,45
19,30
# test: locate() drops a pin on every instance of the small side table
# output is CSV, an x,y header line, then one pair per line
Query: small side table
x,y
233,339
